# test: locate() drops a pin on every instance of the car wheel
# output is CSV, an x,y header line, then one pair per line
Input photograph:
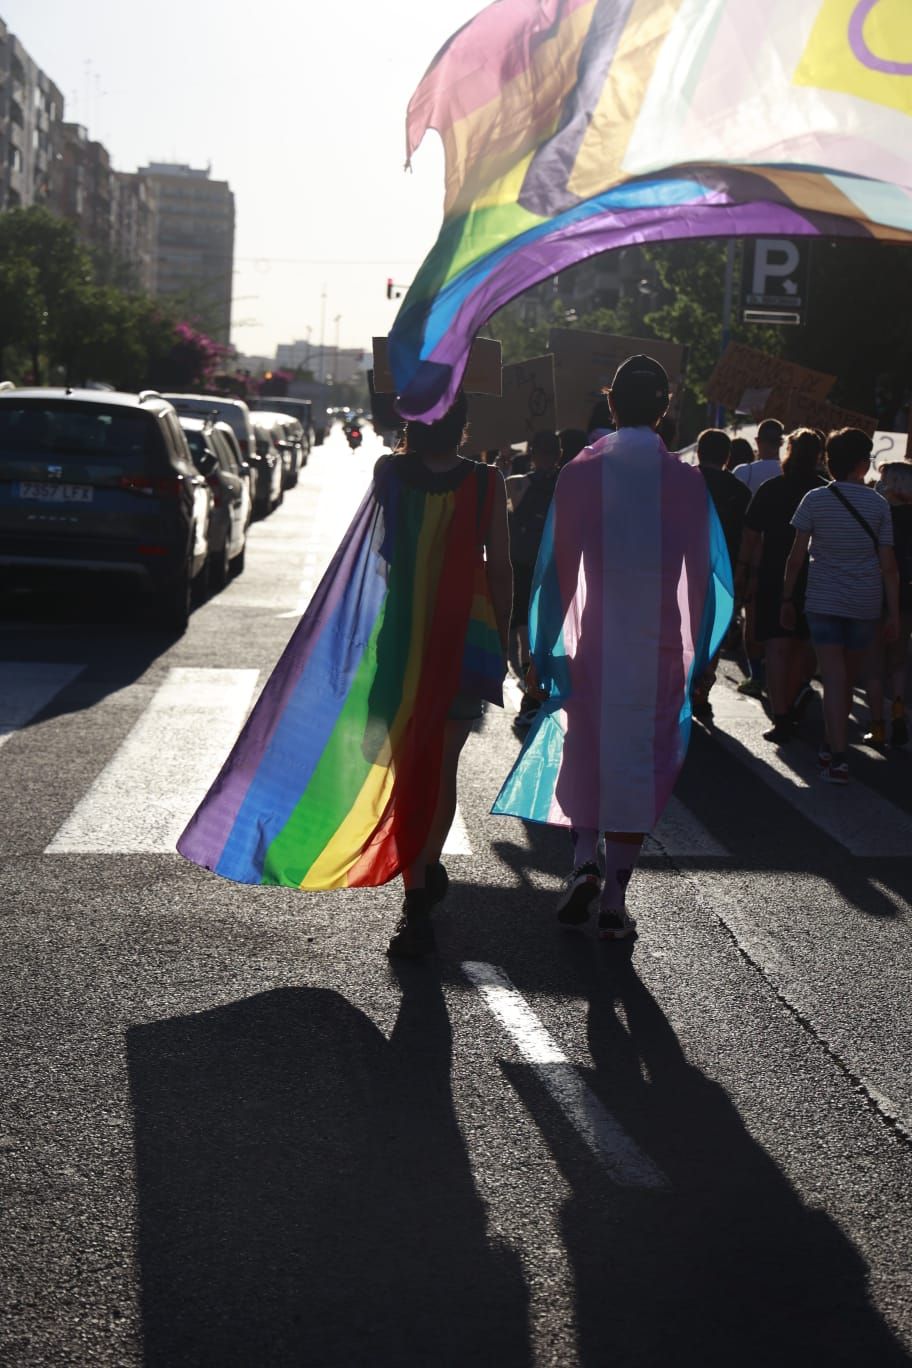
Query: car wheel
x,y
237,565
172,605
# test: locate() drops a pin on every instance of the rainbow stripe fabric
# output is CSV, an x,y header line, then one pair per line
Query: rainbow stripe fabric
x,y
631,599
333,780
572,127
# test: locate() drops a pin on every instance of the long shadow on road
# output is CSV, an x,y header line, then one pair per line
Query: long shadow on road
x,y
304,1192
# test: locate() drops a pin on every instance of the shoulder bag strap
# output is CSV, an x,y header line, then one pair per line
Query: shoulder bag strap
x,y
856,515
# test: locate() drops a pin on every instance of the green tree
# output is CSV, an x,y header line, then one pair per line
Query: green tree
x,y
37,242
20,308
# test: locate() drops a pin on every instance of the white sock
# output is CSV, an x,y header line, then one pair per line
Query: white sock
x,y
585,846
620,861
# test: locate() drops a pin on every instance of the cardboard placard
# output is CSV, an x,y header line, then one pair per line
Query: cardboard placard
x,y
526,406
585,363
482,373
796,409
745,368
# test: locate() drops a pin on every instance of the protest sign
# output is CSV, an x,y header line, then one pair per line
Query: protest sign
x,y
795,409
482,375
585,363
744,369
527,405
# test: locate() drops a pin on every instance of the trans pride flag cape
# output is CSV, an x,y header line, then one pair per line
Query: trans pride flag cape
x,y
571,127
631,598
333,780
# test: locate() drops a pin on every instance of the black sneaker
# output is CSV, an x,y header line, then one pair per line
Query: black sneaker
x,y
616,925
580,895
436,883
413,937
779,734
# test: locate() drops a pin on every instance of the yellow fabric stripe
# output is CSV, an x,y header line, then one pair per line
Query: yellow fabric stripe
x,y
330,869
600,159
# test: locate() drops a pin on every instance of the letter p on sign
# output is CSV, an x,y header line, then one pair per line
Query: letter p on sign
x,y
774,260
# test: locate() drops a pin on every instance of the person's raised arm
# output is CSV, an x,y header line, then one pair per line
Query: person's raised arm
x,y
500,571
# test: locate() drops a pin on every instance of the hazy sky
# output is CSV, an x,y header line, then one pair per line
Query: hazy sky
x,y
300,106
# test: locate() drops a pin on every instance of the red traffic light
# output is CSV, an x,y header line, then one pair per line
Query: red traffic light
x,y
389,287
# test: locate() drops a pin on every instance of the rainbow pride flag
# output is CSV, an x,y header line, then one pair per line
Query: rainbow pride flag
x,y
572,127
333,781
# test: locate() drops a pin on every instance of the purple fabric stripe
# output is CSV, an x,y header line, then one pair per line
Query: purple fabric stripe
x,y
587,237
211,827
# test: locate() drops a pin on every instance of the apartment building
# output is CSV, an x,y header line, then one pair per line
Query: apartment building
x,y
193,247
31,108
82,185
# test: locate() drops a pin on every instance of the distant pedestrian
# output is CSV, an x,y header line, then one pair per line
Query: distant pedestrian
x,y
731,499
572,441
528,500
345,773
888,662
768,539
766,466
741,453
852,580
631,596
600,420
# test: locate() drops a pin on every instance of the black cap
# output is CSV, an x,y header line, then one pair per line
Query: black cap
x,y
641,379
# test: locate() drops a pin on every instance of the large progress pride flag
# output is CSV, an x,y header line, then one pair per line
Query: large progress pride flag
x,y
572,127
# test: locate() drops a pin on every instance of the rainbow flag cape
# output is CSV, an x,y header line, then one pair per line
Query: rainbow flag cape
x,y
631,598
572,127
333,780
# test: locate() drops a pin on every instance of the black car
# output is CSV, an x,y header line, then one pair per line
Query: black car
x,y
213,450
101,483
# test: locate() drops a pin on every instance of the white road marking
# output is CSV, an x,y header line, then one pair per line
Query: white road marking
x,y
27,686
855,816
679,833
457,841
609,1142
142,800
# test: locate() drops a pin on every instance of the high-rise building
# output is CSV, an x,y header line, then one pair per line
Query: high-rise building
x,y
194,241
82,186
31,107
133,236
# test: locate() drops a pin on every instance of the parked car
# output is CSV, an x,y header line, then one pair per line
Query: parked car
x,y
234,412
302,409
269,439
215,461
103,483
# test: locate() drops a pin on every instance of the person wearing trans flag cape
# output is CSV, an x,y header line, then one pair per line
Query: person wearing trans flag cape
x,y
631,598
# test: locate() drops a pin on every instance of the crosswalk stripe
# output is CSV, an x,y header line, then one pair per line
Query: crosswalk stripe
x,y
857,817
679,833
609,1142
26,687
142,799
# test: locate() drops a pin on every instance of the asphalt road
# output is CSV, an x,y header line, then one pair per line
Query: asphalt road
x,y
232,1133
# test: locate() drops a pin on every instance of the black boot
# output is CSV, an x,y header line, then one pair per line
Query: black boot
x,y
413,937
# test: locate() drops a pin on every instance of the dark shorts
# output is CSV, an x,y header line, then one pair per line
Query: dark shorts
x,y
522,592
853,634
465,707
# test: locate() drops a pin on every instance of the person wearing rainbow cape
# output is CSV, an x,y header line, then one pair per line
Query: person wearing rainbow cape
x,y
631,598
345,772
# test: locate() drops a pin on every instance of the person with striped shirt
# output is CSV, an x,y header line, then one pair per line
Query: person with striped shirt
x,y
848,531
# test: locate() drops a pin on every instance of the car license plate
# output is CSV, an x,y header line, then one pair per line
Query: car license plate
x,y
56,493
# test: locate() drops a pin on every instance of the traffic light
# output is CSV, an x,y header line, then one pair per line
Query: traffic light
x,y
389,287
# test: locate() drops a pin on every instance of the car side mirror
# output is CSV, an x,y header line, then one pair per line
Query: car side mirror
x,y
206,463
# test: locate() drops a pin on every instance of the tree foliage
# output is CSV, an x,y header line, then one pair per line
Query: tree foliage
x,y
63,321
